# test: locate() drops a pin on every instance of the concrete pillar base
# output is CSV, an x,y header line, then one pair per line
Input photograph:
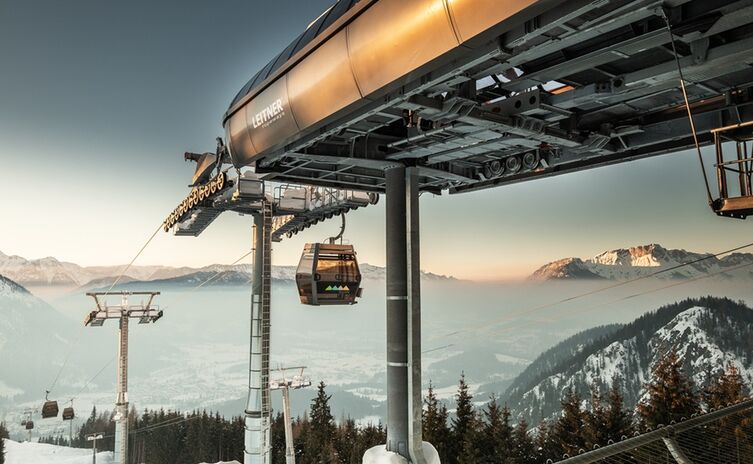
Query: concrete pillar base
x,y
380,455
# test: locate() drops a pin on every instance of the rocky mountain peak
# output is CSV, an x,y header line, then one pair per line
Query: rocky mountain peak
x,y
708,334
640,261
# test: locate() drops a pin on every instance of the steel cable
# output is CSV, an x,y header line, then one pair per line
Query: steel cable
x,y
687,106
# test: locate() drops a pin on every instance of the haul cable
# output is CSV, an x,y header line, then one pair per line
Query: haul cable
x,y
687,107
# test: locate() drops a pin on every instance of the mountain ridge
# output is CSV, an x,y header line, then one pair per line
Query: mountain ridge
x,y
707,333
26,320
643,261
50,271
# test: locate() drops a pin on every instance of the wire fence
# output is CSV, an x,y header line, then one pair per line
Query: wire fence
x,y
723,436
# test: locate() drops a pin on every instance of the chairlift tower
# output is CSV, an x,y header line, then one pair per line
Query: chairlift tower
x,y
145,313
285,384
93,437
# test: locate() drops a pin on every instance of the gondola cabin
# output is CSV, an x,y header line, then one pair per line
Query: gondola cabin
x,y
29,425
50,409
68,414
328,274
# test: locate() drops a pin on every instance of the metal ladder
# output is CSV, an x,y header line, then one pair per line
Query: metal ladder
x,y
266,406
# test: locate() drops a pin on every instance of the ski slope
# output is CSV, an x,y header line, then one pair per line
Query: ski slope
x,y
40,453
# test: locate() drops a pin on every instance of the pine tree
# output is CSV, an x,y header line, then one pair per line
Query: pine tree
x,y
595,419
728,388
546,448
464,421
523,450
671,394
618,422
435,428
321,435
3,436
470,453
277,431
569,428
368,437
497,433
346,443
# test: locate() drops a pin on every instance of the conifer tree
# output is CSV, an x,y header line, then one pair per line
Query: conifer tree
x,y
301,429
544,443
3,436
370,436
594,419
523,450
470,453
321,435
671,394
569,428
346,443
497,433
435,428
728,388
277,431
731,433
617,421
463,422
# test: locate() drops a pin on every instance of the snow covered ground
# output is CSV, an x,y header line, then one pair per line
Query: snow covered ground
x,y
39,453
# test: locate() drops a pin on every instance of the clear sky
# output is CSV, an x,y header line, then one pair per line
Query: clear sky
x,y
98,101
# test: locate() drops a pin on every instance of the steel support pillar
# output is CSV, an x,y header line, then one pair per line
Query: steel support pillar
x,y
413,285
257,439
289,446
397,314
121,403
404,398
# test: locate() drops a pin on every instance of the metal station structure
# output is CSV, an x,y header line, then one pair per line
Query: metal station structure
x,y
454,96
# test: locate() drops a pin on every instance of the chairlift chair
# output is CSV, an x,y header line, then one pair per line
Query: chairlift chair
x,y
735,197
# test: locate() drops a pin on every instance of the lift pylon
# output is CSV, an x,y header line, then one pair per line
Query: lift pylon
x,y
285,384
258,408
145,313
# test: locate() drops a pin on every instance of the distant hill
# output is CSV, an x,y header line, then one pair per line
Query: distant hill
x,y
32,341
629,263
220,275
51,272
707,333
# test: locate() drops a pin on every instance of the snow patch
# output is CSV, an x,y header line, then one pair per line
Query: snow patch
x,y
40,453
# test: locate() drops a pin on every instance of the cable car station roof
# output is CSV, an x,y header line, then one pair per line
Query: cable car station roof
x,y
478,95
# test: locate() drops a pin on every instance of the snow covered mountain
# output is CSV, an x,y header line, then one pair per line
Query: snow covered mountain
x,y
51,272
707,333
629,263
30,340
